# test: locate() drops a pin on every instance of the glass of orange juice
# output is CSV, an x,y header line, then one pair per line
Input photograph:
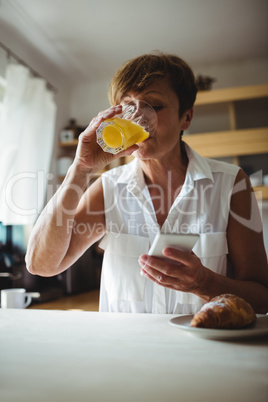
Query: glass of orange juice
x,y
136,122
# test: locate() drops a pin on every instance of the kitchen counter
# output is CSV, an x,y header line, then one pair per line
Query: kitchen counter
x,y
89,356
85,301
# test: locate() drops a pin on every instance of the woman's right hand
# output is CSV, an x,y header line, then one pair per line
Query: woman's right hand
x,y
89,155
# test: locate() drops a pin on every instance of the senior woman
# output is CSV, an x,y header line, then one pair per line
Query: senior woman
x,y
167,187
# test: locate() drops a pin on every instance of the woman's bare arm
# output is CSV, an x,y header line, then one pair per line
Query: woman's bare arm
x,y
74,218
65,230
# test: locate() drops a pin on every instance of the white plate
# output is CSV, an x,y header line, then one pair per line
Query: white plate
x,y
258,329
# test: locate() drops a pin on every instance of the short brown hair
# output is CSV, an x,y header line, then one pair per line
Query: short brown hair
x,y
137,74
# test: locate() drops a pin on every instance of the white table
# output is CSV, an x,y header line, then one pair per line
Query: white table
x,y
54,356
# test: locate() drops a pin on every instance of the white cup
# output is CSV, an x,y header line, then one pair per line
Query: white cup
x,y
17,298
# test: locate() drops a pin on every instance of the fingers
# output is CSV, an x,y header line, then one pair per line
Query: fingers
x,y
103,115
184,257
159,270
112,111
160,279
177,256
89,153
178,272
128,151
159,266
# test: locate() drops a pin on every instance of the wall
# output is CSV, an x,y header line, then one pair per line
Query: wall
x,y
91,97
88,99
235,74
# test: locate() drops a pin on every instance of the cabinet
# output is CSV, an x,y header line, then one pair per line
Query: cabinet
x,y
245,109
241,111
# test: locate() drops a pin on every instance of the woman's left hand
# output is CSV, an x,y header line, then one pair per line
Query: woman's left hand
x,y
179,270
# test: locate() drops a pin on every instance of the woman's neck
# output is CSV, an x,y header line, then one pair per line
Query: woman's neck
x,y
157,171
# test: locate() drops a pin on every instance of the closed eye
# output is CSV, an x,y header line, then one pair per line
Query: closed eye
x,y
157,108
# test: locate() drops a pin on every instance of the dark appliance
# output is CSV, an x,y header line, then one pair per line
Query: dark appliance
x,y
82,276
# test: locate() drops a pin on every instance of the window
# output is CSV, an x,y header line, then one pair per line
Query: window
x,y
2,92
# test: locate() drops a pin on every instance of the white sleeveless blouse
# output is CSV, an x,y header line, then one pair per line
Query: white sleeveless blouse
x,y
202,206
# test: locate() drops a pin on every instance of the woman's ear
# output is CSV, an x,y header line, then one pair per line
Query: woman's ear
x,y
187,118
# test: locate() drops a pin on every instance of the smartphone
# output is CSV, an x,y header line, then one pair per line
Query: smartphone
x,y
183,242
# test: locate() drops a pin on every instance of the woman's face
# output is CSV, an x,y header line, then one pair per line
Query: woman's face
x,y
166,139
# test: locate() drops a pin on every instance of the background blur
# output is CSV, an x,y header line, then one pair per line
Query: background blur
x,y
77,45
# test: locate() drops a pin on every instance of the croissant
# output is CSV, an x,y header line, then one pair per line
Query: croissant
x,y
224,312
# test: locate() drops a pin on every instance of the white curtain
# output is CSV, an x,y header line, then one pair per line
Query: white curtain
x,y
26,143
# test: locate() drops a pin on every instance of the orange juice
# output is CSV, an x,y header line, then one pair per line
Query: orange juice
x,y
118,134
